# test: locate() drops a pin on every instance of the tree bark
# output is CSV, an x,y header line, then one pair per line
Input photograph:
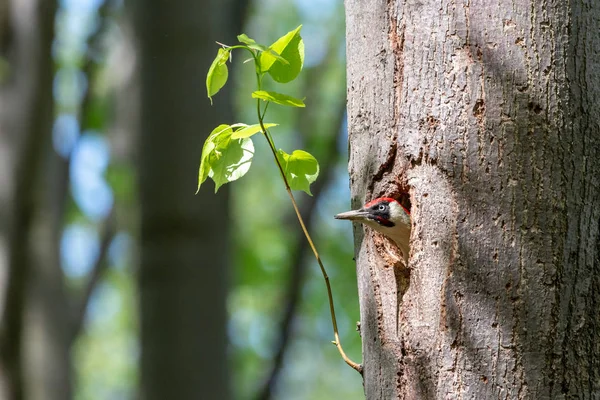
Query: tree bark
x,y
183,238
486,112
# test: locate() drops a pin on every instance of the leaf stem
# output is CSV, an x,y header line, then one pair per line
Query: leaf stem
x,y
336,342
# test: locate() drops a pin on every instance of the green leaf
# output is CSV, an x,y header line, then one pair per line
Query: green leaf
x,y
207,149
300,168
224,159
217,73
289,47
250,130
294,55
251,43
230,160
278,98
243,38
277,56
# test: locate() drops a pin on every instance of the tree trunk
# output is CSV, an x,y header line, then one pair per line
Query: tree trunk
x,y
33,342
486,112
183,238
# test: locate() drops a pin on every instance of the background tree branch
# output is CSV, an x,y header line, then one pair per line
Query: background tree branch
x,y
109,231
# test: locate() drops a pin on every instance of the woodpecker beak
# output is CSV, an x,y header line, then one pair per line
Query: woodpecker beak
x,y
354,215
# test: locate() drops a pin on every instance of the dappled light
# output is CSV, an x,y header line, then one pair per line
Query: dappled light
x,y
129,252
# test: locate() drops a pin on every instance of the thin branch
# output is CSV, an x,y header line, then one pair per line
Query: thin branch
x,y
336,335
89,69
109,231
327,160
298,268
337,341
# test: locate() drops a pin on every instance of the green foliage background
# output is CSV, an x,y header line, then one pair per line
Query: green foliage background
x,y
264,231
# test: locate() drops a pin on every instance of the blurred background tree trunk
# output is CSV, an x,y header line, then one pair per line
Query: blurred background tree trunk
x,y
34,337
487,112
183,238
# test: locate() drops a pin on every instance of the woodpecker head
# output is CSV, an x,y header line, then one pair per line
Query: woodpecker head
x,y
387,216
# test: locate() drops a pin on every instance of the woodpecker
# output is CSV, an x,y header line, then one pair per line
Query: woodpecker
x,y
385,215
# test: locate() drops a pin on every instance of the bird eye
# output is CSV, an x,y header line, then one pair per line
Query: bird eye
x,y
382,207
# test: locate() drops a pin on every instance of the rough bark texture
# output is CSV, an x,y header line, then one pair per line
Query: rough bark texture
x,y
487,113
182,276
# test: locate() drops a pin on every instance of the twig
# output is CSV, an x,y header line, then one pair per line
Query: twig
x,y
298,271
336,335
298,267
108,233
